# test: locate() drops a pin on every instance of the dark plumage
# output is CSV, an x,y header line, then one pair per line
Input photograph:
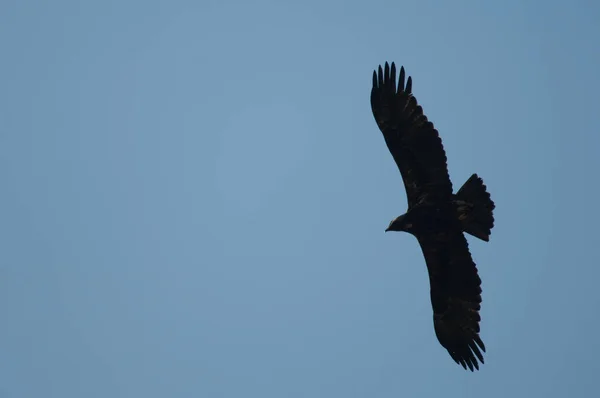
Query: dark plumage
x,y
436,216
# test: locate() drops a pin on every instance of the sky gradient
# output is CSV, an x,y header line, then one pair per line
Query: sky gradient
x,y
194,196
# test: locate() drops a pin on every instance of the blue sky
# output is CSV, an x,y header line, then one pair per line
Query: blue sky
x,y
194,197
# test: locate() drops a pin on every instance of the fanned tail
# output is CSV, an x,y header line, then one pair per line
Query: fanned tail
x,y
475,208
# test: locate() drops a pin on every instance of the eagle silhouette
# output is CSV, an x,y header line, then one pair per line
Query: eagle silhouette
x,y
436,216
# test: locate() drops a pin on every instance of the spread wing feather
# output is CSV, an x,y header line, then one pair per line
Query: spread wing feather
x,y
455,295
411,138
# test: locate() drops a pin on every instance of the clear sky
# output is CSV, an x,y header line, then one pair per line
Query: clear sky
x,y
194,196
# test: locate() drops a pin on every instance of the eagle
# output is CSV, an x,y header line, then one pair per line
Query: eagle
x,y
436,216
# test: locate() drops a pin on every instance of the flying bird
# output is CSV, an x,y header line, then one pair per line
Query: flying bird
x,y
436,216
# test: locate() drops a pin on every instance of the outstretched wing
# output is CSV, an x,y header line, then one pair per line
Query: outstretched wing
x,y
455,295
412,140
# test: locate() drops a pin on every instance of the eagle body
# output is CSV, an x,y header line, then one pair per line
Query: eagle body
x,y
436,216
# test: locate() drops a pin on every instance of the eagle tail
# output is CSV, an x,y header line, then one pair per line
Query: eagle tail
x,y
475,208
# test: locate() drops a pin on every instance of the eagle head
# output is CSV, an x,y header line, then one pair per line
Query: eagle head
x,y
400,223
